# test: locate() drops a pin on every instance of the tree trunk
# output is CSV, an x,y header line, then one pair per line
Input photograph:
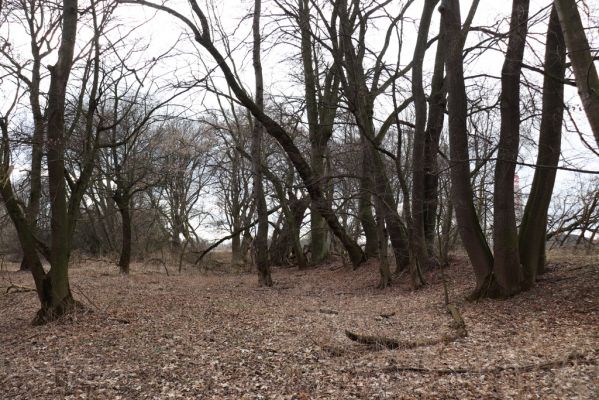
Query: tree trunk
x,y
57,287
434,127
506,267
417,238
321,106
533,230
261,239
125,257
579,51
369,225
384,270
275,130
462,194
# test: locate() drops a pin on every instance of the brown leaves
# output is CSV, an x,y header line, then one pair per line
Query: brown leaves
x,y
216,337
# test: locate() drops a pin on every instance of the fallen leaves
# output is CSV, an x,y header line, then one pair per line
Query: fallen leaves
x,y
216,337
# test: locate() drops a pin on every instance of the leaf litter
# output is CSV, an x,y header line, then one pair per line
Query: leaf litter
x,y
219,336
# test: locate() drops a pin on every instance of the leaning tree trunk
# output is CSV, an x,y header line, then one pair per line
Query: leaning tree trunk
x,y
261,239
506,267
462,194
579,51
533,230
57,291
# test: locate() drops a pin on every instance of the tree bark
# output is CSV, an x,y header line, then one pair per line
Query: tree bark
x,y
579,51
261,239
123,204
462,194
60,300
434,127
321,106
533,230
417,237
506,267
369,225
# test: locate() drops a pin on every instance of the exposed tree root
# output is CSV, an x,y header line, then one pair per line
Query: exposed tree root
x,y
67,307
572,358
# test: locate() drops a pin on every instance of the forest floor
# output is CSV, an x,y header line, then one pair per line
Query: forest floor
x,y
220,336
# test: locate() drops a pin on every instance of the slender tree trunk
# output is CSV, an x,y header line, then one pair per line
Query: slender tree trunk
x,y
579,51
434,127
417,238
384,270
506,267
261,239
533,230
462,194
275,130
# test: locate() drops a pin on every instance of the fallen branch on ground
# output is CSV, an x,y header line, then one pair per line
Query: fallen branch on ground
x,y
572,358
12,288
380,342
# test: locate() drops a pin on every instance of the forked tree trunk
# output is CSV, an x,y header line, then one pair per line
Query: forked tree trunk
x,y
261,239
321,106
533,230
506,267
579,51
57,291
462,194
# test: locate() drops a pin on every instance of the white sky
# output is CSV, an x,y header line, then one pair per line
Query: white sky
x,y
163,31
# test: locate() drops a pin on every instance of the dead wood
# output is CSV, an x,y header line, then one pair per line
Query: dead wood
x,y
328,311
381,342
572,358
458,321
12,288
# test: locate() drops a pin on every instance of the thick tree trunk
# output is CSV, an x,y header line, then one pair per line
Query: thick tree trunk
x,y
319,242
506,267
369,225
462,194
125,257
579,51
533,230
417,238
57,283
261,239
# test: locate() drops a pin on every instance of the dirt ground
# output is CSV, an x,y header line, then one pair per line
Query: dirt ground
x,y
219,336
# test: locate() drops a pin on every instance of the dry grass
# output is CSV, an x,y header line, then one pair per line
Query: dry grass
x,y
219,336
